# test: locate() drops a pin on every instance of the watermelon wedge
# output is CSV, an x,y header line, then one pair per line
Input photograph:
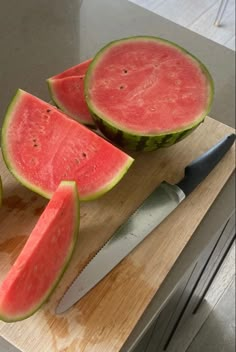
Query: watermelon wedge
x,y
146,92
44,258
76,70
67,92
41,147
0,191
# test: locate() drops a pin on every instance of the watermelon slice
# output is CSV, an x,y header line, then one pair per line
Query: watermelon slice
x,y
0,191
76,70
146,92
41,147
44,257
67,92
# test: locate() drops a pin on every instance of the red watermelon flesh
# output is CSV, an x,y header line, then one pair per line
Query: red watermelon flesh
x,y
147,86
42,146
44,257
76,70
68,94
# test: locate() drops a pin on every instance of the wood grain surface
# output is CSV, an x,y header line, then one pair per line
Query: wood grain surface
x,y
105,317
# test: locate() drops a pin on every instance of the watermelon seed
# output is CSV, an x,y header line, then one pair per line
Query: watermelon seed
x,y
121,87
48,110
35,142
84,155
125,71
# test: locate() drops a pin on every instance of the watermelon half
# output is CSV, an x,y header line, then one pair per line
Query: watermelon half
x,y
44,258
42,146
67,92
146,92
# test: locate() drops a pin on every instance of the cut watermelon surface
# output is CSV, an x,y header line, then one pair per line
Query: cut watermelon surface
x,y
76,70
67,92
44,257
146,92
41,147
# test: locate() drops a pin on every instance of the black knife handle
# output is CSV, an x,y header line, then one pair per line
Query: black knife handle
x,y
198,169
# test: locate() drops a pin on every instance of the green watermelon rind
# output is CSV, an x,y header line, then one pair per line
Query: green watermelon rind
x,y
139,141
1,191
10,163
62,107
64,267
143,143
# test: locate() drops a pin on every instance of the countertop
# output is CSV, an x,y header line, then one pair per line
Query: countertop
x,y
41,39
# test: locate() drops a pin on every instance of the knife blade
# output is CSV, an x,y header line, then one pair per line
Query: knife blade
x,y
155,208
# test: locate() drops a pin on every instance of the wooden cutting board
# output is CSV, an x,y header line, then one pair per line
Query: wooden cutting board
x,y
104,318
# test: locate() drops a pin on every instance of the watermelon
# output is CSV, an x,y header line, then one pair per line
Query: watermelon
x,y
67,92
146,92
0,191
44,258
76,70
41,146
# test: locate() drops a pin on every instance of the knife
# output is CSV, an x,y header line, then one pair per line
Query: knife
x,y
157,206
